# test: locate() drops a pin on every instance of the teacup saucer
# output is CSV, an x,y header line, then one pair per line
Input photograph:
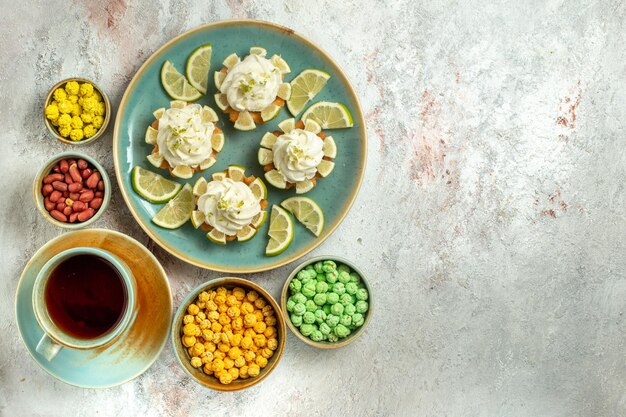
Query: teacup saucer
x,y
137,348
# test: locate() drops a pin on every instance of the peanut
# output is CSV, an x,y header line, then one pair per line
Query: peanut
x,y
86,173
59,185
56,169
75,174
100,185
55,195
61,205
92,181
95,203
86,215
53,177
99,194
73,217
68,178
74,196
69,202
86,196
79,206
49,205
67,211
82,164
58,215
63,166
75,187
46,190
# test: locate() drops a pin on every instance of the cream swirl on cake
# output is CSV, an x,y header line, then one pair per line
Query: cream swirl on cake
x,y
183,137
228,205
297,155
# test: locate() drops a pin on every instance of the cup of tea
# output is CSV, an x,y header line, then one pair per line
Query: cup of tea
x,y
83,298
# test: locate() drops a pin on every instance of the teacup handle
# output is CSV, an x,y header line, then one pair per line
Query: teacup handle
x,y
48,348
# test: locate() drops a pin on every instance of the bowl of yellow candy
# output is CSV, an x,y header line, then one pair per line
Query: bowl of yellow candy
x,y
76,111
228,334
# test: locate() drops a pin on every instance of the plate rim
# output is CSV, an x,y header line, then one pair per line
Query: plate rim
x,y
28,265
177,252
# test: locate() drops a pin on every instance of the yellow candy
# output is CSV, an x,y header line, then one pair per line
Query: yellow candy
x,y
72,88
55,122
243,372
218,365
65,106
89,104
228,363
85,90
260,327
254,370
76,134
192,309
249,356
64,120
240,361
65,131
77,122
100,109
189,341
252,296
59,94
196,362
52,111
73,99
76,110
89,131
261,361
234,372
96,96
234,353
220,298
233,312
239,293
226,378
231,300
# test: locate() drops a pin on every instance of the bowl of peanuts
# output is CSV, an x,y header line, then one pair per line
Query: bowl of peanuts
x,y
229,334
71,190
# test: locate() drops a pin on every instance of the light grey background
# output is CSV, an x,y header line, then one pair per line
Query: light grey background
x,y
491,220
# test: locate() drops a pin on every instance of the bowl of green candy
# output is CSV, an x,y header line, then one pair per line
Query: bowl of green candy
x,y
326,301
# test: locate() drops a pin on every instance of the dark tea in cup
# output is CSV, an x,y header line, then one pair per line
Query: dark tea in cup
x,y
86,296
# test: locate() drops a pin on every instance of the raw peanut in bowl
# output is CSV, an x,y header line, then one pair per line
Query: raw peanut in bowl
x,y
72,190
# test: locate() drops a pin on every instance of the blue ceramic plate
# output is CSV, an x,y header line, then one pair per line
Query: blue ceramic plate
x,y
335,194
137,348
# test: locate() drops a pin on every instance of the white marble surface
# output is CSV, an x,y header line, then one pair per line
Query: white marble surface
x,y
491,220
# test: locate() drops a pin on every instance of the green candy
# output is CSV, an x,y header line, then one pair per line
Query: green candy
x,y
344,277
316,336
343,268
299,309
332,337
303,274
361,294
351,288
309,268
346,320
307,329
309,289
310,305
332,298
326,309
350,309
324,328
354,277
299,298
321,287
332,320
320,299
337,309
320,277
295,285
361,306
290,304
339,288
320,316
346,299
318,267
358,320
308,317
332,276
306,279
340,330
296,320
328,266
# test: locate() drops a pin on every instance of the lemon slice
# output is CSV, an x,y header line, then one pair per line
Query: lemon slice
x,y
246,233
158,113
199,187
182,171
207,163
284,91
245,121
304,87
257,50
177,211
258,188
197,218
280,63
330,147
280,231
155,159
178,104
312,126
218,176
153,187
197,70
176,85
276,179
231,60
329,115
151,135
208,115
307,211
258,220
236,172
217,141
218,78
268,140
265,156
325,167
304,186
287,125
270,112
216,236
